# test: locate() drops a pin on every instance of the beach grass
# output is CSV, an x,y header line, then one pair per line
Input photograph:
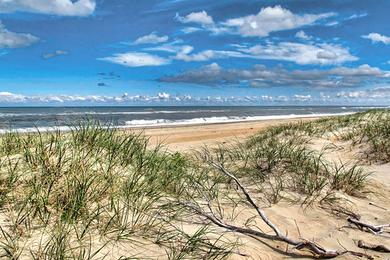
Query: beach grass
x,y
96,192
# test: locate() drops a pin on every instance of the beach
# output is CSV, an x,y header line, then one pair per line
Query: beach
x,y
311,187
189,137
328,230
187,130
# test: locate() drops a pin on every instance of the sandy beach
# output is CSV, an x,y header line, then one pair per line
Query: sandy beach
x,y
330,230
96,190
186,138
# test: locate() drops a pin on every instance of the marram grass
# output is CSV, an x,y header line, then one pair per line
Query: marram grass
x,y
96,192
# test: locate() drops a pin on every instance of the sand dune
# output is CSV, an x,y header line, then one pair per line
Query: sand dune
x,y
312,222
96,193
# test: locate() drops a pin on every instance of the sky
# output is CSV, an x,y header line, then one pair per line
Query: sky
x,y
194,52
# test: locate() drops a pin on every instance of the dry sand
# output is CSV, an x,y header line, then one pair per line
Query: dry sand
x,y
186,138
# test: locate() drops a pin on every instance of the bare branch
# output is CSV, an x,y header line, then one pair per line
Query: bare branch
x,y
378,248
278,235
376,230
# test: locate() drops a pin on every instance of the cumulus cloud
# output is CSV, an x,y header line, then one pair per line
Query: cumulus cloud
x,y
10,39
269,19
302,35
375,93
302,98
208,55
186,53
261,76
272,19
376,37
8,97
152,38
55,7
300,53
201,18
136,59
13,98
54,54
188,30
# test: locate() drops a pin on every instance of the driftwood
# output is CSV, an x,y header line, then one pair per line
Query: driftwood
x,y
378,248
300,244
376,230
377,206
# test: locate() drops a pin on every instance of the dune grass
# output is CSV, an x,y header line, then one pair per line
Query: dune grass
x,y
96,192
279,163
85,191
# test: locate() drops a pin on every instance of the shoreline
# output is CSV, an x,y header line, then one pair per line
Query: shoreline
x,y
237,120
179,124
190,137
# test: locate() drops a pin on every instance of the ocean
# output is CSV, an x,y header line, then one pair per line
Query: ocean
x,y
30,119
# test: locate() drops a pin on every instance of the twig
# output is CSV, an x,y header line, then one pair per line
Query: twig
x,y
378,248
376,230
372,204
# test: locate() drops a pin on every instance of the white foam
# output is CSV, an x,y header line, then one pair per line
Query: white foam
x,y
216,120
112,113
36,129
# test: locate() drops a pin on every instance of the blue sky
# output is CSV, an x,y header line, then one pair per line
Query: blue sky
x,y
173,52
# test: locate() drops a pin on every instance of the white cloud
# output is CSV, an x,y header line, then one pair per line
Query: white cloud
x,y
300,53
302,35
136,59
323,54
208,55
332,23
375,93
188,30
7,97
54,54
376,37
361,71
152,38
10,97
56,7
159,98
172,47
272,19
302,98
185,52
355,16
351,17
10,39
381,94
163,95
196,17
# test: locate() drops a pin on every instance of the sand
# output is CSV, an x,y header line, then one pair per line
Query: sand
x,y
311,223
186,138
